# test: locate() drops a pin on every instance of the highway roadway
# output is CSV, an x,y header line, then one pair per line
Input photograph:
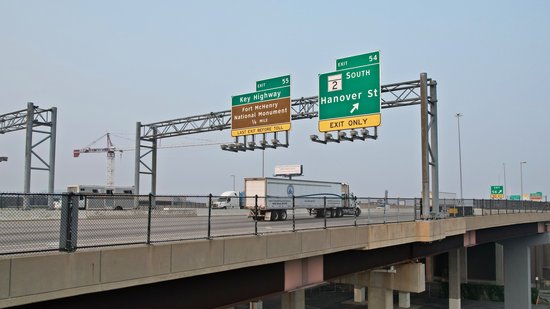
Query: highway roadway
x,y
126,227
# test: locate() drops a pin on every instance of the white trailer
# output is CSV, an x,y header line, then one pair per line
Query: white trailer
x,y
99,197
271,198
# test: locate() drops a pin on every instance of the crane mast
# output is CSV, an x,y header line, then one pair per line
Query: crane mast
x,y
110,150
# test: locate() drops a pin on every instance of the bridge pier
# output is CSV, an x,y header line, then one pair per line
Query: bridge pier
x,y
454,279
294,300
404,300
257,304
517,269
359,293
380,295
381,283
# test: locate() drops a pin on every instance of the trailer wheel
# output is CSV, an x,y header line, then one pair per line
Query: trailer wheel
x,y
118,208
274,215
339,212
329,213
283,215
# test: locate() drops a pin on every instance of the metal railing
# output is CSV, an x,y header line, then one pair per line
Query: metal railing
x,y
31,223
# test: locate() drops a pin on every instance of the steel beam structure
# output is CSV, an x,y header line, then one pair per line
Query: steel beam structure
x,y
416,92
30,119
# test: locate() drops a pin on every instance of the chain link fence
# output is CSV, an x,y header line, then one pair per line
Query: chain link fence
x,y
65,222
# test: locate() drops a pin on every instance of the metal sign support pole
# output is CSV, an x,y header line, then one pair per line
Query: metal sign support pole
x,y
53,134
137,164
28,148
425,146
434,147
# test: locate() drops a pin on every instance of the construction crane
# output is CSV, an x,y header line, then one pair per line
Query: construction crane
x,y
110,150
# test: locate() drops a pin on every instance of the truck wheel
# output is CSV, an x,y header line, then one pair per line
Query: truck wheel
x,y
339,213
357,212
333,213
274,215
283,215
118,208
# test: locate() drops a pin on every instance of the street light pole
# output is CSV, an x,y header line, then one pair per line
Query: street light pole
x,y
521,176
233,181
504,166
458,115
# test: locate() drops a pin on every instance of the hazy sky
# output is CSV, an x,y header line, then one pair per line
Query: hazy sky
x,y
107,64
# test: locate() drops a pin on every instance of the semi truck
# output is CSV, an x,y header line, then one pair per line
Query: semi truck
x,y
229,199
270,199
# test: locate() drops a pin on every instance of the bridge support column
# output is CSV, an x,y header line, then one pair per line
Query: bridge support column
x,y
404,278
517,276
380,296
454,279
257,304
404,300
499,264
294,300
358,293
517,269
464,265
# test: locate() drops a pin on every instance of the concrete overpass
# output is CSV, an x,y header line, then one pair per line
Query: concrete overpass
x,y
225,271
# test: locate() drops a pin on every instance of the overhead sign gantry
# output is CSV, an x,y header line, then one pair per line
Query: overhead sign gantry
x,y
37,122
421,92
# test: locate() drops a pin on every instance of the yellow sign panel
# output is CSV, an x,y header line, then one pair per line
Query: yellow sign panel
x,y
260,130
497,196
364,121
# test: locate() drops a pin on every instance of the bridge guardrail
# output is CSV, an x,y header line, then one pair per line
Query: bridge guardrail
x,y
31,223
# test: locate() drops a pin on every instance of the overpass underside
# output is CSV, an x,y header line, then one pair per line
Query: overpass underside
x,y
221,272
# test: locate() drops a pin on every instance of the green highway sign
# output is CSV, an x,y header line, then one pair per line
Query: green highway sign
x,y
357,61
535,196
271,83
497,192
260,96
349,98
515,197
267,110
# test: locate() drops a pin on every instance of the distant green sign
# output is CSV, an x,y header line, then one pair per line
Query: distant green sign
x,y
497,192
515,197
535,196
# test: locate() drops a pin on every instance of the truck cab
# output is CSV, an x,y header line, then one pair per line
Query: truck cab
x,y
227,200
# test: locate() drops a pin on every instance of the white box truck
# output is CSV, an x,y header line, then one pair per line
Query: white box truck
x,y
270,198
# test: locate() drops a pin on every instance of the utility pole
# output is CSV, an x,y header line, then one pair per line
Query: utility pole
x,y
504,167
458,115
521,176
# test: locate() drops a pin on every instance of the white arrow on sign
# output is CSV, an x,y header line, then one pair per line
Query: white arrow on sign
x,y
355,107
